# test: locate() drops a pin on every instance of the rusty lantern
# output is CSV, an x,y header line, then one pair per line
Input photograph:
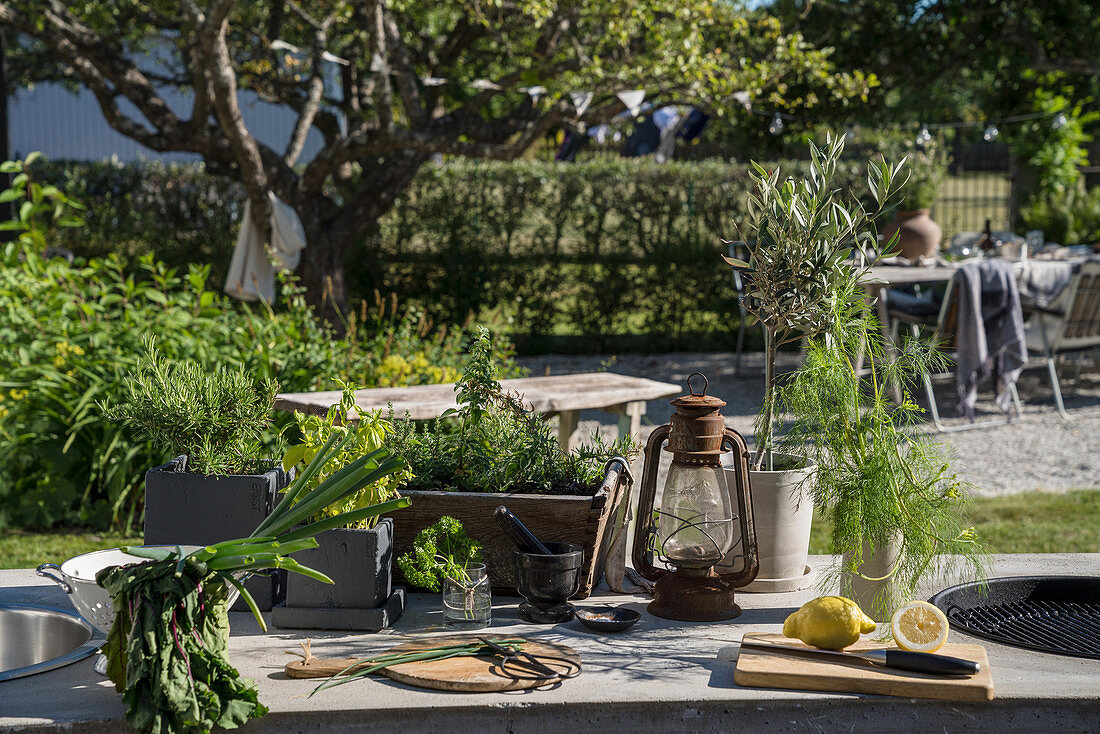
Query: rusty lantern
x,y
694,527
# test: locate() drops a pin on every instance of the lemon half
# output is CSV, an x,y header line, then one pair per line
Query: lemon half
x,y
919,626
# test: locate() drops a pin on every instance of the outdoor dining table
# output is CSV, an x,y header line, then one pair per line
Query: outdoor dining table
x,y
1040,280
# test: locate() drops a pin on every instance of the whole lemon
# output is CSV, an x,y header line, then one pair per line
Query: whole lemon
x,y
829,622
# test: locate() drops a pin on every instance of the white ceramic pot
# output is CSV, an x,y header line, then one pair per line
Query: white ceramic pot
x,y
782,513
873,588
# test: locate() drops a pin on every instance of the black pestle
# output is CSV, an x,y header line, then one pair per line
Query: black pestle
x,y
524,539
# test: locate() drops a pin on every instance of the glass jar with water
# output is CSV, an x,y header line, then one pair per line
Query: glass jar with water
x,y
467,601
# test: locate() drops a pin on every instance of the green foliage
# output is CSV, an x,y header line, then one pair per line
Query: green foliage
x,y
949,59
41,209
801,236
366,433
927,166
493,444
877,478
166,650
1059,204
1072,218
1055,153
602,247
73,333
179,212
215,418
440,551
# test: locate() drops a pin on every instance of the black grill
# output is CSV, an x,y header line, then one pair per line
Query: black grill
x,y
1055,614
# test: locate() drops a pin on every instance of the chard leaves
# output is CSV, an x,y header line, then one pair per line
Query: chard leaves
x,y
166,649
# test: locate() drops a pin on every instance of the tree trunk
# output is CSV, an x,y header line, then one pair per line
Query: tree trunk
x,y
330,235
321,273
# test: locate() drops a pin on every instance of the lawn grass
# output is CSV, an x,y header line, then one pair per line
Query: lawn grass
x,y
25,549
1031,522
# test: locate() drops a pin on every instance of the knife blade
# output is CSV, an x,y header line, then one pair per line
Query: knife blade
x,y
917,662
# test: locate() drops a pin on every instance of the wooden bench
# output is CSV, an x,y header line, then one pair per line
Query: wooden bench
x,y
561,395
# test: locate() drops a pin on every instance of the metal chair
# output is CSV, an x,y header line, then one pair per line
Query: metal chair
x,y
1053,332
943,335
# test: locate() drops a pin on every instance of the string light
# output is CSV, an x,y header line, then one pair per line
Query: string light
x,y
776,125
991,133
1060,121
924,137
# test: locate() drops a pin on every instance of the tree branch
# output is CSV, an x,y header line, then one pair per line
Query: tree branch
x,y
405,73
315,87
217,68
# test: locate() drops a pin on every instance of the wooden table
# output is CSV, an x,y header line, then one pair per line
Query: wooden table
x,y
561,395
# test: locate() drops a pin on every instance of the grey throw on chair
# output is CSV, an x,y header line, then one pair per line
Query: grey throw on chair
x,y
990,332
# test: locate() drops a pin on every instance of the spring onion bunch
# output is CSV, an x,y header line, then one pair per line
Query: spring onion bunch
x,y
165,650
361,668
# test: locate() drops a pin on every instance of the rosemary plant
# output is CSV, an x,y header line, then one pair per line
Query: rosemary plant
x,y
879,481
214,418
800,237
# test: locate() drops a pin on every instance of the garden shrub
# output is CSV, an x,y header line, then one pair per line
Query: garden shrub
x,y
73,331
608,246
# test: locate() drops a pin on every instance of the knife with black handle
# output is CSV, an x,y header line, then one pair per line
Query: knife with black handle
x,y
917,662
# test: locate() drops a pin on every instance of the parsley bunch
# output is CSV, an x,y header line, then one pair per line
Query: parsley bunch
x,y
440,551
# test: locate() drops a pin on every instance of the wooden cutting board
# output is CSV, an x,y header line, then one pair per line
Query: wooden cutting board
x,y
473,674
767,669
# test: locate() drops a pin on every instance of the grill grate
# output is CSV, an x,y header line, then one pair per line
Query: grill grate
x,y
1057,614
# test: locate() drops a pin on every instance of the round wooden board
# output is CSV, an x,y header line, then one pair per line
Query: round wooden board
x,y
474,674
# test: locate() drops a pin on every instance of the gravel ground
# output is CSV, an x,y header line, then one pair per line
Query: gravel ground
x,y
1040,452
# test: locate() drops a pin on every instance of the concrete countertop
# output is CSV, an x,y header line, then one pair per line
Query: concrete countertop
x,y
661,676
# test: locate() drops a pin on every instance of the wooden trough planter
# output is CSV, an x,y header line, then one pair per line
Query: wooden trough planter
x,y
586,521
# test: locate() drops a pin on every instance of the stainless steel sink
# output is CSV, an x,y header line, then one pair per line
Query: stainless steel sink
x,y
37,639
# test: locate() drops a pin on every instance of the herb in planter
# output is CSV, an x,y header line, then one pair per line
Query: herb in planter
x,y
365,435
880,481
492,443
440,551
214,418
165,649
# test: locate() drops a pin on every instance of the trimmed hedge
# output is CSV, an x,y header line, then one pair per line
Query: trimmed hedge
x,y
608,247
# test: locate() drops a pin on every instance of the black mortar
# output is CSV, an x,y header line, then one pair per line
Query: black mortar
x,y
547,582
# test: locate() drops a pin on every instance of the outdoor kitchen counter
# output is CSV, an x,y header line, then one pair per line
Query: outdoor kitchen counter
x,y
659,676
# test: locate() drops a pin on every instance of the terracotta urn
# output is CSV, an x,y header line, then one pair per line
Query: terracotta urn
x,y
919,234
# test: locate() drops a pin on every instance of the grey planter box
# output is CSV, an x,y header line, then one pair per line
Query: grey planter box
x,y
362,597
183,508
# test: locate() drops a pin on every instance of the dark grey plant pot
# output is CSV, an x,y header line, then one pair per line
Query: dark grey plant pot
x,y
362,597
184,508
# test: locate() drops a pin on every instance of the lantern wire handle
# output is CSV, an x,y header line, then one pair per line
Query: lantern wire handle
x,y
691,522
706,383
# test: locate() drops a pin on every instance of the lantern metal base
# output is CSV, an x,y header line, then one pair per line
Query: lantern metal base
x,y
692,598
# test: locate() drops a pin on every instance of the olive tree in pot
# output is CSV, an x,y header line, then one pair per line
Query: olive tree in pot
x,y
358,557
804,241
218,487
895,508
